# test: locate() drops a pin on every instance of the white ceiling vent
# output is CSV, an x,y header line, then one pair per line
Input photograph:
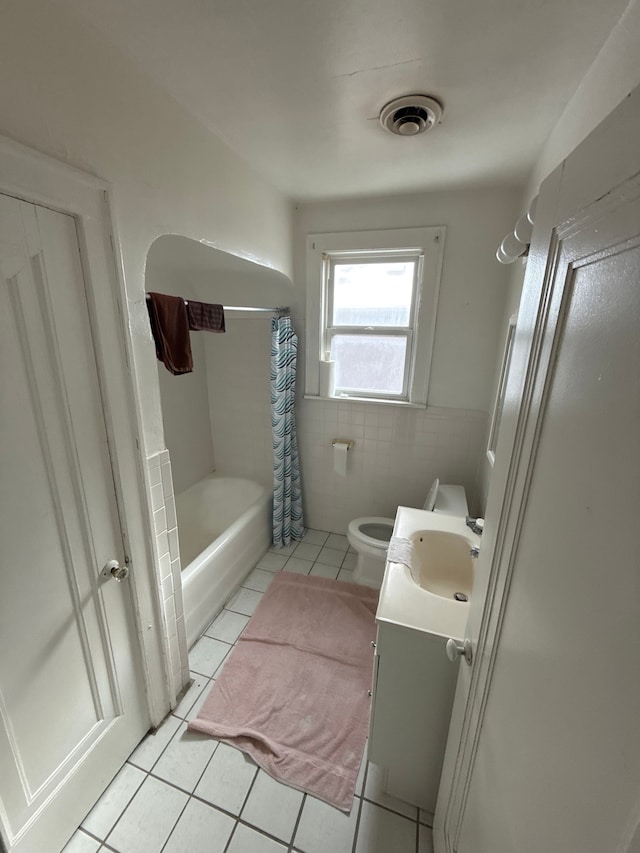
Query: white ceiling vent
x,y
410,115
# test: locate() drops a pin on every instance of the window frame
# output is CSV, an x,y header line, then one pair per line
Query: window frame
x,y
426,244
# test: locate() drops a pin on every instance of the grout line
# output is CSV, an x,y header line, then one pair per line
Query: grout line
x,y
298,819
173,828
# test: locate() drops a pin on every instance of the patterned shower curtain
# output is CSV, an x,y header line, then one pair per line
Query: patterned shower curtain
x,y
287,493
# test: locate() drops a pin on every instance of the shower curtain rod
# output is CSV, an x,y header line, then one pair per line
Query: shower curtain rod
x,y
281,310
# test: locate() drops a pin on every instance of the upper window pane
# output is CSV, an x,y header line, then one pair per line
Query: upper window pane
x,y
373,294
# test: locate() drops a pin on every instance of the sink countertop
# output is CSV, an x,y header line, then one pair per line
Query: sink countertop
x,y
402,601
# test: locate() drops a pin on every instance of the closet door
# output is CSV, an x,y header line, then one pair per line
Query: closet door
x,y
72,704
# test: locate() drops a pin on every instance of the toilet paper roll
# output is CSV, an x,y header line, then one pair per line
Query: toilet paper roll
x,y
340,451
327,378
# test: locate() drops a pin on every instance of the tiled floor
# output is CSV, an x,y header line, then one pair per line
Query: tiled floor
x,y
187,793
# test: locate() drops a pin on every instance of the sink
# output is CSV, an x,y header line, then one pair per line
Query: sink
x,y
422,598
442,563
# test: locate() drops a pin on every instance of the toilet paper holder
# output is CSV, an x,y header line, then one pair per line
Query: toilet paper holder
x,y
346,441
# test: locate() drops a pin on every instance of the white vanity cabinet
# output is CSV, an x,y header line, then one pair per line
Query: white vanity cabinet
x,y
412,697
413,679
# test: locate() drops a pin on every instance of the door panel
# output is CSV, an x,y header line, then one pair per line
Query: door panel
x,y
71,697
548,756
561,721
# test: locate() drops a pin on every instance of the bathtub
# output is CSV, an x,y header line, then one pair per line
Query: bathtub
x,y
224,527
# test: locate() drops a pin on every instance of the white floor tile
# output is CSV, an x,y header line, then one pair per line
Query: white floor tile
x,y
315,537
272,807
307,551
300,567
227,779
324,828
425,840
259,579
227,626
202,698
149,818
183,761
201,829
345,575
113,802
320,570
196,687
373,791
245,601
331,557
381,831
207,655
337,541
273,561
81,843
350,561
247,840
148,752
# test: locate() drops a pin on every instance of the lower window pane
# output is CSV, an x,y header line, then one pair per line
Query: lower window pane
x,y
370,363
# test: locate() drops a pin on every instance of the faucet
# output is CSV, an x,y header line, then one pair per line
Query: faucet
x,y
474,551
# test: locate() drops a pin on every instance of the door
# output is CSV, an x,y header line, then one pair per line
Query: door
x,y
544,752
72,704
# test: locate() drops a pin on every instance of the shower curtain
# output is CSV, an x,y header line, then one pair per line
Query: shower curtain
x,y
287,493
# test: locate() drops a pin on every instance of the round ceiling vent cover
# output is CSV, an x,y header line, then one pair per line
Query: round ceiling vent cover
x,y
410,115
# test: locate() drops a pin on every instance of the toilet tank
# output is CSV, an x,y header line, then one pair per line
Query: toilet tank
x,y
451,500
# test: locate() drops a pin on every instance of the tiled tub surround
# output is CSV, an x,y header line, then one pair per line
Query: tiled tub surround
x,y
397,453
163,506
186,793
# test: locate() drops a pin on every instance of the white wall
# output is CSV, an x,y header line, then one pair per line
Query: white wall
x,y
238,370
184,398
398,452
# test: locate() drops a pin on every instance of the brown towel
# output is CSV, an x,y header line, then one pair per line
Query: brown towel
x,y
170,328
204,317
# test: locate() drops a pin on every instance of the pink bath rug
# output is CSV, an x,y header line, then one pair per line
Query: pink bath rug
x,y
293,694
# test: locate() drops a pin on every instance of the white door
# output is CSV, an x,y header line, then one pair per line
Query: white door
x,y
544,750
72,704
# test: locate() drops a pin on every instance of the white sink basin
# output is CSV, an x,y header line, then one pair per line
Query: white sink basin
x,y
442,563
422,598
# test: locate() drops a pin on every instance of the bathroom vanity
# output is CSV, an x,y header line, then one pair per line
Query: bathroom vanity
x,y
413,680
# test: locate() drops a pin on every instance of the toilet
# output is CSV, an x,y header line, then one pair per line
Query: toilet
x,y
370,536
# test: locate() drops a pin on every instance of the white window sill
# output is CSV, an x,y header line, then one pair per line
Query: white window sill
x,y
378,401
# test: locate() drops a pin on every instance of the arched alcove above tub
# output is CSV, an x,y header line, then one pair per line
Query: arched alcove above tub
x,y
212,275
218,417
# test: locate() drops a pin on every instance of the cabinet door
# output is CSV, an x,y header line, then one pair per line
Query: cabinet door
x,y
412,700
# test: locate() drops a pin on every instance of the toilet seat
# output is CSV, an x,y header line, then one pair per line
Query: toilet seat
x,y
358,530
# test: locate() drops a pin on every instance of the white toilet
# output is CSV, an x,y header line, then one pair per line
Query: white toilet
x,y
370,536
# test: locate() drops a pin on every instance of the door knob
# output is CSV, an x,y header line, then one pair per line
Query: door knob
x,y
113,569
456,649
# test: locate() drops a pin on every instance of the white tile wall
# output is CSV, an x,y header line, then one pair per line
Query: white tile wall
x,y
397,453
163,507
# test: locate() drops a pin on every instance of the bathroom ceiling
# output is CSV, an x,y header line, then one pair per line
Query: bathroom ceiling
x,y
295,87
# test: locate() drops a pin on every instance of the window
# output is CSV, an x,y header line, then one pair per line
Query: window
x,y
371,306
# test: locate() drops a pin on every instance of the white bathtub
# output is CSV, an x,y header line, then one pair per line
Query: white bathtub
x,y
224,527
